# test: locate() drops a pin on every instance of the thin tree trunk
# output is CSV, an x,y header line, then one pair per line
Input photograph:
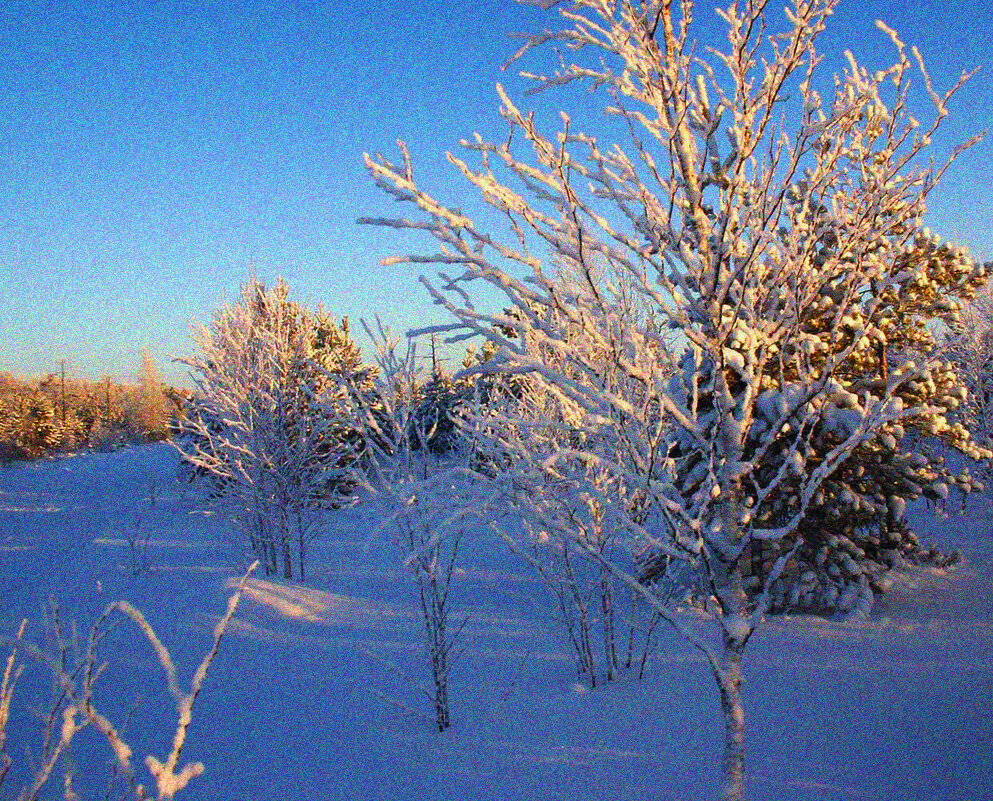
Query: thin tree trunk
x,y
736,628
733,785
63,393
302,547
607,610
273,561
284,536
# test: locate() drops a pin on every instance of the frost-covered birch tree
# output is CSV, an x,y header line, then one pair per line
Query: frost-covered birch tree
x,y
423,491
265,424
772,218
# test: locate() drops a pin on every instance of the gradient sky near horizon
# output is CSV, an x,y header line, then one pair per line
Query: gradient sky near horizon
x,y
153,152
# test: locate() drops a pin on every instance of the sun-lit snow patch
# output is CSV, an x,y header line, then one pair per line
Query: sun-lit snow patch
x,y
306,603
46,508
300,603
123,543
836,790
560,754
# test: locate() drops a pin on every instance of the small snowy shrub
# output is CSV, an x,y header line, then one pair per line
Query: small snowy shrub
x,y
423,493
76,674
566,502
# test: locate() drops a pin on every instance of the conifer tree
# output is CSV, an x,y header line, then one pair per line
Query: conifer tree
x,y
148,412
971,341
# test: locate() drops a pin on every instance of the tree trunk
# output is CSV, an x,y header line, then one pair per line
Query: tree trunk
x,y
732,788
736,628
302,548
273,561
609,634
287,552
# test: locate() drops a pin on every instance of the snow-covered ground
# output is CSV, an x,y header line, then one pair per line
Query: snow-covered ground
x,y
313,695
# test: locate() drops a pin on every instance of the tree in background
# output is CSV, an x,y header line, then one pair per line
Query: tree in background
x,y
33,423
972,351
148,407
776,232
57,413
263,424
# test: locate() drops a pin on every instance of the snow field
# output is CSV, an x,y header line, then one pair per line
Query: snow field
x,y
314,692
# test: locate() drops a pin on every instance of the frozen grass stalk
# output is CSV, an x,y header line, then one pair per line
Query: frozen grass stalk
x,y
74,708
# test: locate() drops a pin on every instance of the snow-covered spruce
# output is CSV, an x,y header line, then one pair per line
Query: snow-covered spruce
x,y
854,529
970,344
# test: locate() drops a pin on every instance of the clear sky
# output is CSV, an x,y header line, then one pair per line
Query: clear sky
x,y
151,152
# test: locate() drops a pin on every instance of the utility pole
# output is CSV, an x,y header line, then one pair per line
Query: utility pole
x,y
63,392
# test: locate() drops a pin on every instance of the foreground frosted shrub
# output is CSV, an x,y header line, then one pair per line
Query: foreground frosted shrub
x,y
75,677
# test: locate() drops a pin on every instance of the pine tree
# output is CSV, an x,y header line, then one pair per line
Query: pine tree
x,y
40,431
854,529
971,343
148,413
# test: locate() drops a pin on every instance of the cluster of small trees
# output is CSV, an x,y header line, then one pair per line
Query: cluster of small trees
x,y
265,425
57,413
775,235
729,385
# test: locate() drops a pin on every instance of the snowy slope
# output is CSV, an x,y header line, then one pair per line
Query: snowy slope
x,y
313,694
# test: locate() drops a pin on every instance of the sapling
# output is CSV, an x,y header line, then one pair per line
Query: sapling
x,y
424,494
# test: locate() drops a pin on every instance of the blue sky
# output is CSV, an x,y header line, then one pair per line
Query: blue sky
x,y
152,152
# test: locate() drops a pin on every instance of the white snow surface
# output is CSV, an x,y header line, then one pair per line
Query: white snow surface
x,y
312,695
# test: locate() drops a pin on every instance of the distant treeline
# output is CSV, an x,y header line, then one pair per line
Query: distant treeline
x,y
57,413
